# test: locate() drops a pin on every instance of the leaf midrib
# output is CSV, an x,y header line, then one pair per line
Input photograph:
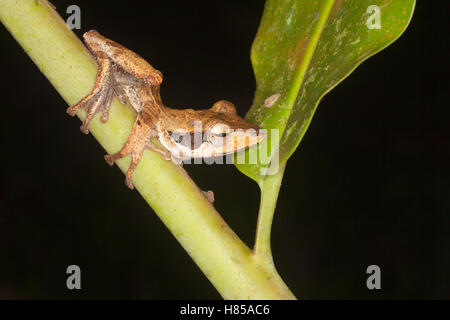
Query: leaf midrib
x,y
306,61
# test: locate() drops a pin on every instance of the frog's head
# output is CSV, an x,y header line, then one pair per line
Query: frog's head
x,y
207,133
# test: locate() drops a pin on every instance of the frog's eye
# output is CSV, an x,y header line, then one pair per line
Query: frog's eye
x,y
218,133
221,134
220,130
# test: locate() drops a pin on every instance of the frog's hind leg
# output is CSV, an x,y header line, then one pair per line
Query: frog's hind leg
x,y
99,99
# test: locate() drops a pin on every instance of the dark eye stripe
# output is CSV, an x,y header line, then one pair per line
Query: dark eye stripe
x,y
189,140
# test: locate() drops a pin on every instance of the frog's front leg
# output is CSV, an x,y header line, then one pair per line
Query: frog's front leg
x,y
137,142
100,97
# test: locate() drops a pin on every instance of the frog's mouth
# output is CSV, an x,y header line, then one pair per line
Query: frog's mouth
x,y
187,145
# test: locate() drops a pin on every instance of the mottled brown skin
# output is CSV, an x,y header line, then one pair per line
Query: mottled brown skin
x,y
127,76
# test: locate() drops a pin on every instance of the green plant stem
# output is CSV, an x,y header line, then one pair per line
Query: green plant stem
x,y
270,187
227,262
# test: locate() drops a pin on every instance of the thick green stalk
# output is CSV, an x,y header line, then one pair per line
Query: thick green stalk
x,y
227,262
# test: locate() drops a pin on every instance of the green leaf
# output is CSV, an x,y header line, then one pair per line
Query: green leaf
x,y
303,49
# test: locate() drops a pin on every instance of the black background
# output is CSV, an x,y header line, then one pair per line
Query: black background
x,y
369,184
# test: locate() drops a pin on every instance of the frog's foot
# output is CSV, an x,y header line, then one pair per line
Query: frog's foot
x,y
137,142
209,195
136,155
99,99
